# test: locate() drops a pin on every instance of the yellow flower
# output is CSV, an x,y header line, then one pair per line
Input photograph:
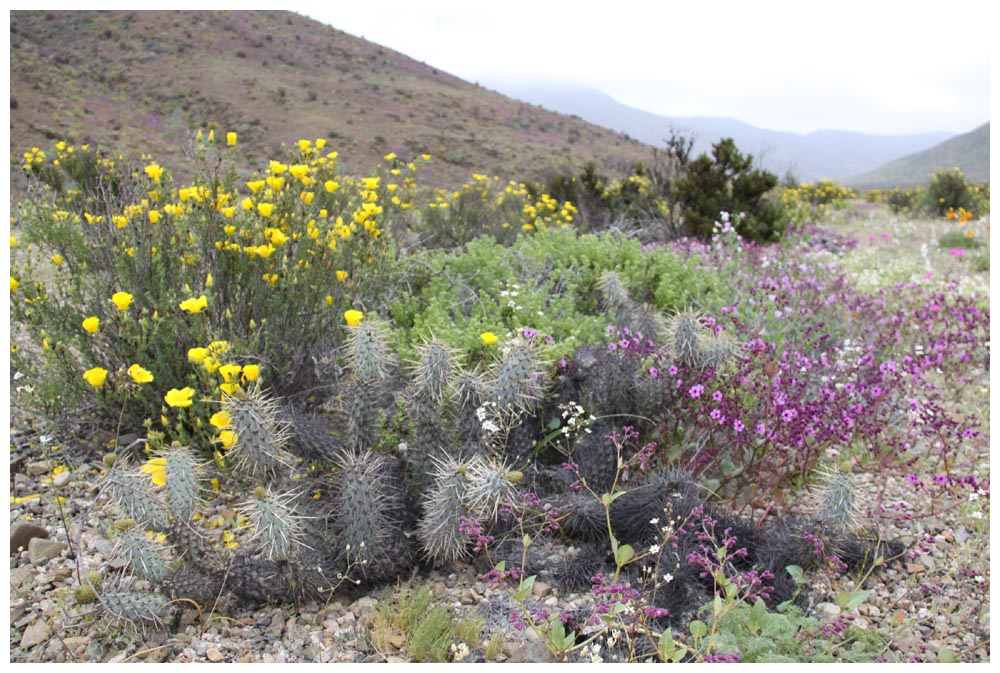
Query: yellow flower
x,y
120,221
307,197
489,338
154,171
341,276
220,419
209,281
329,300
231,138
13,241
197,355
371,183
14,284
193,305
154,216
156,468
353,317
140,375
330,186
96,376
179,398
251,372
320,143
92,324
390,156
57,260
229,372
229,388
122,300
265,209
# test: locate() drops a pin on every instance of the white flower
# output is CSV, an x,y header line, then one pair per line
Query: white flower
x,y
654,549
668,578
654,520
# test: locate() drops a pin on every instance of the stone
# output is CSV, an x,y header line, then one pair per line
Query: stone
x,y
21,533
37,468
397,640
35,634
827,611
214,654
61,479
541,589
40,550
363,606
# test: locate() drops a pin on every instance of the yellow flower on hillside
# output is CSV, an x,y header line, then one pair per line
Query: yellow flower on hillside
x,y
265,209
489,338
156,468
154,216
220,419
372,183
154,171
330,186
277,167
304,145
140,375
353,317
57,260
95,376
390,156
230,372
251,372
122,300
197,355
193,305
120,221
179,397
14,284
231,138
342,276
329,300
227,438
92,324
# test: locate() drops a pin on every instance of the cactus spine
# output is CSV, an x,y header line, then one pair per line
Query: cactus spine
x,y
261,434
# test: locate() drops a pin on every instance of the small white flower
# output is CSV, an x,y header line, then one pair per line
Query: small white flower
x,y
654,520
668,578
654,549
976,515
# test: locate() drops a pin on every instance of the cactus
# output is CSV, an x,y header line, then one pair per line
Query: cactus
x,y
433,371
361,411
368,353
616,297
684,335
261,433
144,552
276,527
835,501
471,489
369,510
140,608
181,492
515,383
130,491
312,437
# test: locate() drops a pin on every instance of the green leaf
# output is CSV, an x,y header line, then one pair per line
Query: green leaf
x,y
947,656
624,554
848,600
608,498
524,589
798,575
698,628
666,647
554,423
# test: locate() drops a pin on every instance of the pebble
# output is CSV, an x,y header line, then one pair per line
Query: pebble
x,y
61,479
35,634
37,468
41,550
214,654
541,589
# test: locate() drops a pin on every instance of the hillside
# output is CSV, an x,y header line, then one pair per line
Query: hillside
x,y
970,152
144,82
821,154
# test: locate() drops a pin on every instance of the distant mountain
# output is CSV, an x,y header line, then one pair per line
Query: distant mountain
x,y
970,152
142,82
821,154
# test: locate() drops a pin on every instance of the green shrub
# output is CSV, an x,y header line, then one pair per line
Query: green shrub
x,y
948,190
727,182
958,239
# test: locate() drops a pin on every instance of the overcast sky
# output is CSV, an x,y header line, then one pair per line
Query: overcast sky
x,y
875,66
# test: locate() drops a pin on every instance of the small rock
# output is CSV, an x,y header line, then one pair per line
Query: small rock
x,y
214,654
915,568
40,550
397,640
531,652
827,611
61,479
38,468
467,597
363,606
395,660
21,534
35,634
541,589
